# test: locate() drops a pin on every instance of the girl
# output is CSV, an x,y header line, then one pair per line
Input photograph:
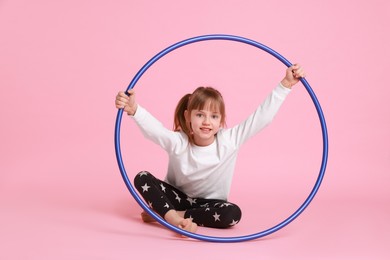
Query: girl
x,y
202,154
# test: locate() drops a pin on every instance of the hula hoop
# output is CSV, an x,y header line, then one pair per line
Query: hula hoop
x,y
211,238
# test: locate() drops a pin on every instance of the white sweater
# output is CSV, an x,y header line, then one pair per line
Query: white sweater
x,y
207,171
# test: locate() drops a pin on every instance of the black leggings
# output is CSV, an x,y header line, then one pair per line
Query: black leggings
x,y
163,197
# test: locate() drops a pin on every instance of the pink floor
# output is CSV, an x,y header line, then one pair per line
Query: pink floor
x,y
43,222
62,63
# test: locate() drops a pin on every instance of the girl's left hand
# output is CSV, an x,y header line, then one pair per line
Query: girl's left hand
x,y
293,74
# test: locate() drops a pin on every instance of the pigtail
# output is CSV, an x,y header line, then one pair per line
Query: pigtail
x,y
180,123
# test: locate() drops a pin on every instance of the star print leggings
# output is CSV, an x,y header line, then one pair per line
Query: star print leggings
x,y
163,197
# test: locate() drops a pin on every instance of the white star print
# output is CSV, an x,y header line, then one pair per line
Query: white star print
x,y
191,200
150,204
145,187
207,209
233,223
166,206
162,187
225,205
143,173
216,217
177,196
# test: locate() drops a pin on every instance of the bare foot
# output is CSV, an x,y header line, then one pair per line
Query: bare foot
x,y
147,218
188,225
175,218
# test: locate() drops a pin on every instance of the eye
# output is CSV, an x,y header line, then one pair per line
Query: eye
x,y
215,116
198,114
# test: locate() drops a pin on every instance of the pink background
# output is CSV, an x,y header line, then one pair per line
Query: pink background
x,y
62,63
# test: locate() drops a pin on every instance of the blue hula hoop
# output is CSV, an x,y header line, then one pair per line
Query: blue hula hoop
x,y
211,238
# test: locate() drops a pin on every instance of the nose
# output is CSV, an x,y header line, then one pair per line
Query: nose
x,y
206,120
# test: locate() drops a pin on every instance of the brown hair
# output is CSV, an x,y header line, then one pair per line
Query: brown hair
x,y
201,97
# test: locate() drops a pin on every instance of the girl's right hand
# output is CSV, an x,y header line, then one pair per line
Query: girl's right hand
x,y
126,102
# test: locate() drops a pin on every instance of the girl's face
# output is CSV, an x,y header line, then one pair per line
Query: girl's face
x,y
205,123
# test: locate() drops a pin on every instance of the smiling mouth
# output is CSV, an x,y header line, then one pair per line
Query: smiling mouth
x,y
205,130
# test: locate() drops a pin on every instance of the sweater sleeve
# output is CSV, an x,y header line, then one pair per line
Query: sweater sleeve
x,y
260,118
155,131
